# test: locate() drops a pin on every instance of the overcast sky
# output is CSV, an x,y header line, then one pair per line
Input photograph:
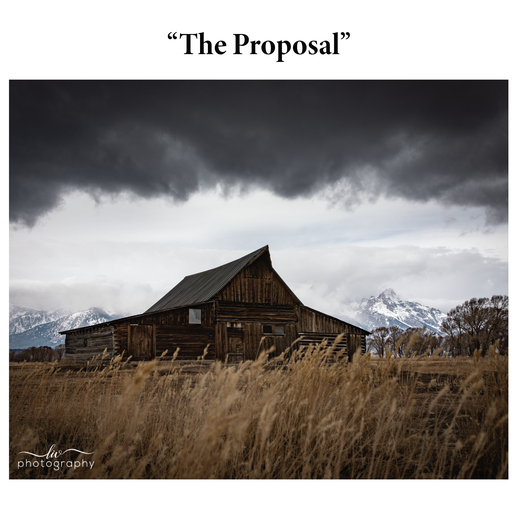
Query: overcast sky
x,y
120,189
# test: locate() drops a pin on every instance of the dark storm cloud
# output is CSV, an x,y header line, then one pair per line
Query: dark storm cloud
x,y
420,140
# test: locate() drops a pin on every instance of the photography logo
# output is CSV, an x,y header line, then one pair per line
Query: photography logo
x,y
54,459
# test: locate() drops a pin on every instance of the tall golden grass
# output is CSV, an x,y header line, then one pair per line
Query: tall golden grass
x,y
306,416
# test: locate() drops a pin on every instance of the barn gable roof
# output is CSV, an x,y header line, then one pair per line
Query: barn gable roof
x,y
203,286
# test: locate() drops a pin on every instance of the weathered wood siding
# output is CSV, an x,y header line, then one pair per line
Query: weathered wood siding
x,y
121,339
231,330
257,283
83,345
172,330
178,317
141,341
255,312
254,298
316,326
355,341
322,339
228,337
234,343
191,340
311,320
279,342
148,335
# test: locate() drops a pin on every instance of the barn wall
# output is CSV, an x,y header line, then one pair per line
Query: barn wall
x,y
227,327
229,334
314,326
83,345
257,283
172,330
191,340
178,317
280,342
254,312
311,320
255,297
166,330
121,339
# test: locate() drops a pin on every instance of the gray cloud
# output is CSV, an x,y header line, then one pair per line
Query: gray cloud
x,y
445,141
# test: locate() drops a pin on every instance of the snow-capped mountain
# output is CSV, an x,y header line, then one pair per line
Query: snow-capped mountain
x,y
22,318
387,309
29,327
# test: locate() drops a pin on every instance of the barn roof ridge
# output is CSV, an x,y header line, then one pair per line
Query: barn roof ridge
x,y
203,286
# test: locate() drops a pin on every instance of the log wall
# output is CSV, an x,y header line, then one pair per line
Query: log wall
x,y
171,329
85,344
328,341
316,326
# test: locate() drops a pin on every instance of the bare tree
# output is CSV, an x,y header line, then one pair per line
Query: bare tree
x,y
477,324
498,322
396,341
378,341
421,341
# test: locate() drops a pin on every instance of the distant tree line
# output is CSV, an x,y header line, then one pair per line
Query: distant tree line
x,y
403,342
470,327
43,353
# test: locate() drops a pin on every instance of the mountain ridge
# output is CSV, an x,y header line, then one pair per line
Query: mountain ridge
x,y
387,309
35,328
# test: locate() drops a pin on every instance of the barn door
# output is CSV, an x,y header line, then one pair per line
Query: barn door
x,y
235,343
140,341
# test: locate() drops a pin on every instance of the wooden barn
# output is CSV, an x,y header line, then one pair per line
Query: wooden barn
x,y
229,309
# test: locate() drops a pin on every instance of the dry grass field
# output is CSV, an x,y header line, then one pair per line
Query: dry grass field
x,y
298,418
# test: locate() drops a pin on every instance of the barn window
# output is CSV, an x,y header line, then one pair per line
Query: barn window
x,y
85,342
194,316
273,330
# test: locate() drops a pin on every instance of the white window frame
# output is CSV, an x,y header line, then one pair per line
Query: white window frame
x,y
194,316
